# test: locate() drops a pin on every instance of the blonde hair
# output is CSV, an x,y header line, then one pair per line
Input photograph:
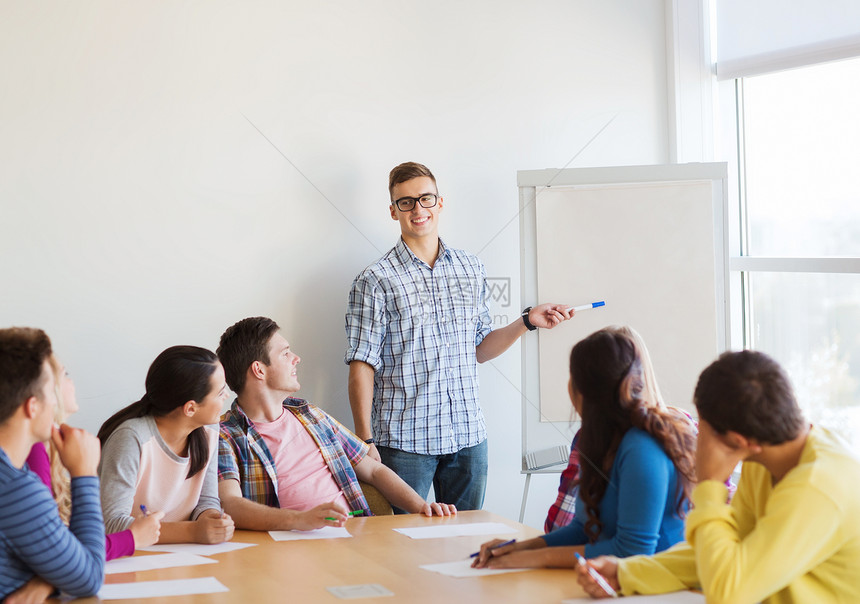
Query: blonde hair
x,y
60,481
651,389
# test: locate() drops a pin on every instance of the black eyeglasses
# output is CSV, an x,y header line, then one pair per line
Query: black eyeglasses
x,y
406,204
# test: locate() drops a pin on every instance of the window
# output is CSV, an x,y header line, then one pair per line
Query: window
x,y
799,161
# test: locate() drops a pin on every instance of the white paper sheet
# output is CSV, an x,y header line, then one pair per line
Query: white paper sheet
x,y
463,568
326,532
675,597
457,530
139,563
201,549
157,589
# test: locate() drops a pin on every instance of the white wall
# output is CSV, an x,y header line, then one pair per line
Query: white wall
x,y
141,208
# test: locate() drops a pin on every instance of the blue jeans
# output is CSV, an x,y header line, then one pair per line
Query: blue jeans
x,y
459,478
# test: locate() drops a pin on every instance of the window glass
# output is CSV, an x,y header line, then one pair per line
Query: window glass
x,y
802,159
810,323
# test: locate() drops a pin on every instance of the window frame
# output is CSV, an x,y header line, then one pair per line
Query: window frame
x,y
743,265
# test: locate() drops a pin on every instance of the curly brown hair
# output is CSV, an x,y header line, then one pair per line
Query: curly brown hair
x,y
606,369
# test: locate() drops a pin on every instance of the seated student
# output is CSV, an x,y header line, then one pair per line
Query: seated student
x,y
284,463
562,511
792,530
36,549
158,453
143,531
638,465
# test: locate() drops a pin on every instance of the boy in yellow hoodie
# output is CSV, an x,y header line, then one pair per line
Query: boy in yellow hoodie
x,y
791,532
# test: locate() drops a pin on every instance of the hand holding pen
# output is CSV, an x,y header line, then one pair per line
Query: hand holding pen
x,y
598,576
492,549
333,513
146,529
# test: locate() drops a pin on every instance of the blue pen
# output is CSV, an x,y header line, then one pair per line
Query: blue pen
x,y
596,576
586,306
143,509
511,542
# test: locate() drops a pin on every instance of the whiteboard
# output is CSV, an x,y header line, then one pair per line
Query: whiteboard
x,y
651,242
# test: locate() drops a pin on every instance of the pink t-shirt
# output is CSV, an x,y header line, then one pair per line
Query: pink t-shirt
x,y
304,479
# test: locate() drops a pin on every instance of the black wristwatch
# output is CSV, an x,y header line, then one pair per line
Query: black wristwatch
x,y
526,321
369,441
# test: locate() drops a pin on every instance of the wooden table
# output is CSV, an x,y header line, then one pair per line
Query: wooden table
x,y
300,571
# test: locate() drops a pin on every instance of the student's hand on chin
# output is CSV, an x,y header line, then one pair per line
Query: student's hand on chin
x,y
438,509
715,458
79,450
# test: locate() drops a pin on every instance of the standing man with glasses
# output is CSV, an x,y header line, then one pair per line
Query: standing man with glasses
x,y
417,325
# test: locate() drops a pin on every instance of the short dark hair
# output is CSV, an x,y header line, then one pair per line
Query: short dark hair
x,y
749,393
23,352
242,344
408,171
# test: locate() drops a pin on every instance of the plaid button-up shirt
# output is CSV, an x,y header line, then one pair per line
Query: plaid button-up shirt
x,y
244,456
418,327
562,512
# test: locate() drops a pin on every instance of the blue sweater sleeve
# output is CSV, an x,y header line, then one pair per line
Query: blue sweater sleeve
x,y
646,479
572,534
71,559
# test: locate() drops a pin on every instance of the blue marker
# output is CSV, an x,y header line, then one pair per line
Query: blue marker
x,y
586,306
143,509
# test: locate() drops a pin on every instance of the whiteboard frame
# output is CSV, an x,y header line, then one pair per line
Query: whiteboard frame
x,y
528,181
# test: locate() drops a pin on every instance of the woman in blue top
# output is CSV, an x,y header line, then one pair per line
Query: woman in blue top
x,y
637,465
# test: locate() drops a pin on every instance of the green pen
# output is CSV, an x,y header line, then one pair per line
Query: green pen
x,y
355,513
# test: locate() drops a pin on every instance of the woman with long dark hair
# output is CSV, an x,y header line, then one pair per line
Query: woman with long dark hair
x,y
160,454
637,464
